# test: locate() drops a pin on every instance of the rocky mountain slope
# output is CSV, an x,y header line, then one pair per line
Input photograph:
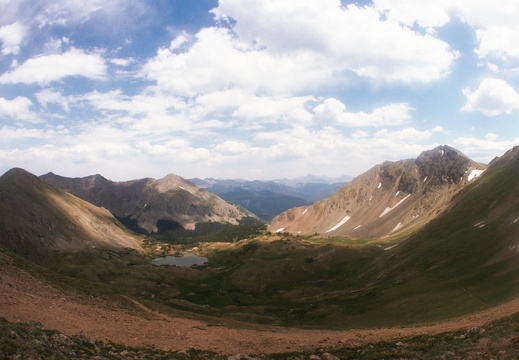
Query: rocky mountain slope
x,y
389,198
267,199
153,205
36,217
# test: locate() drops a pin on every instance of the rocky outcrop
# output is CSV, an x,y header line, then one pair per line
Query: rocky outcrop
x,y
389,198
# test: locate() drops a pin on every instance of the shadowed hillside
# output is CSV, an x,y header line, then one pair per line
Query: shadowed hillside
x,y
36,217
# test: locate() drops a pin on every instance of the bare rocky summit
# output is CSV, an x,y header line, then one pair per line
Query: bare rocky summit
x,y
389,198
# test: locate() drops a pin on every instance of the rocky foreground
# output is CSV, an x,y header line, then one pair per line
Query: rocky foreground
x,y
28,340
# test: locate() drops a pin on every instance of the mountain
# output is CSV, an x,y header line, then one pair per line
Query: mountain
x,y
267,199
389,198
36,217
153,206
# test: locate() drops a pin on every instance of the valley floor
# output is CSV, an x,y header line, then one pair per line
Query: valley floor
x,y
24,297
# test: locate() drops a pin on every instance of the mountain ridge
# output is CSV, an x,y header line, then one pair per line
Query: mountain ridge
x,y
387,199
153,205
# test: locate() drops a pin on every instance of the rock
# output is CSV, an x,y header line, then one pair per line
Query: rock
x,y
473,331
328,356
239,357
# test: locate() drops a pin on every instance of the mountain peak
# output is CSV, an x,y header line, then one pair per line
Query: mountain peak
x,y
389,198
19,177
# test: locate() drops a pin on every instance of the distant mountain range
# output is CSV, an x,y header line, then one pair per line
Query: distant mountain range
x,y
391,197
267,199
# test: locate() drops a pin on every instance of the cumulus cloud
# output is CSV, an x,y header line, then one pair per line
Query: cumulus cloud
x,y
495,23
295,46
344,38
232,147
11,37
48,68
18,108
409,135
49,96
334,111
493,97
218,60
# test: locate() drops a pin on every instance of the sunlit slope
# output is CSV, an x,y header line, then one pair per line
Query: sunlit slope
x,y
389,198
36,217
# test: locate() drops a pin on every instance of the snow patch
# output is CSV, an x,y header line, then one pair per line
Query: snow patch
x,y
356,227
425,179
180,186
342,222
304,212
280,230
379,185
398,226
474,174
390,247
398,192
371,197
516,220
480,224
441,153
388,209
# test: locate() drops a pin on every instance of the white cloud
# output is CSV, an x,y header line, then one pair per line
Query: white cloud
x,y
48,68
493,97
49,96
491,136
484,150
11,37
18,108
426,14
219,61
334,111
122,61
343,38
253,111
409,135
495,23
232,147
296,46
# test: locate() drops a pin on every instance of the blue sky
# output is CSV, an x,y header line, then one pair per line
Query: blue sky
x,y
253,89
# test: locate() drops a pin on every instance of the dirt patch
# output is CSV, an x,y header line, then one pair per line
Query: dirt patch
x,y
24,297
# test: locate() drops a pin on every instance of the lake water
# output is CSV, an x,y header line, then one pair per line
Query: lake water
x,y
186,260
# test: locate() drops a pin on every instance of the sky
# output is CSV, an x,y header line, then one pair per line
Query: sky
x,y
253,89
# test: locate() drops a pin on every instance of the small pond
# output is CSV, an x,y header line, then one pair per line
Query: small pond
x,y
186,260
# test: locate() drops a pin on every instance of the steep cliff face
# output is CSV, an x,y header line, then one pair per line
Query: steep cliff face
x,y
152,204
389,198
36,217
